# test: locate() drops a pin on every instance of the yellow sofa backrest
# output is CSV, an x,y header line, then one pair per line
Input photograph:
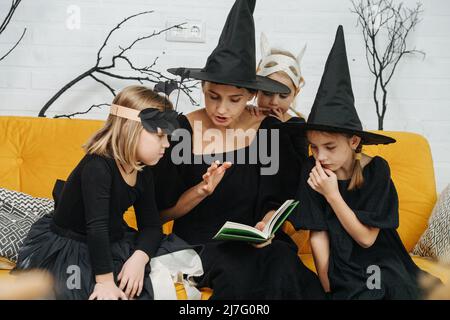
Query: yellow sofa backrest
x,y
34,152
412,171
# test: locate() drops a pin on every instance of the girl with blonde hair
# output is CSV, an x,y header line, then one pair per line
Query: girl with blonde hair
x,y
85,244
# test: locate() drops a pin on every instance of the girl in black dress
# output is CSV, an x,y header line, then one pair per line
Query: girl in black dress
x,y
86,244
205,194
284,67
348,199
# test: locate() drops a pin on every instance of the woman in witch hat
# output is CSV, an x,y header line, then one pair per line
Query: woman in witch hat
x,y
348,199
205,194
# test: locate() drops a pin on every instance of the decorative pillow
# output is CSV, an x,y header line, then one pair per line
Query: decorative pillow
x,y
18,211
435,242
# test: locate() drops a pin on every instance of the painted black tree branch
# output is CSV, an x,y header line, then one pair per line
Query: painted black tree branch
x,y
6,21
385,27
165,87
143,74
70,116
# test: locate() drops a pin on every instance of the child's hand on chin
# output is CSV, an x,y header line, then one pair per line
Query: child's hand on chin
x,y
258,111
323,181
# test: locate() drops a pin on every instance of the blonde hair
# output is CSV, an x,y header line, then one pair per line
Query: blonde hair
x,y
118,139
357,178
272,63
284,74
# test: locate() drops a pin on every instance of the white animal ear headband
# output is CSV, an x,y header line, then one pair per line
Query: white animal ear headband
x,y
280,62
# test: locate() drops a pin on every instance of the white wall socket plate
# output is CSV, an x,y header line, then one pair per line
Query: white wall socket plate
x,y
190,31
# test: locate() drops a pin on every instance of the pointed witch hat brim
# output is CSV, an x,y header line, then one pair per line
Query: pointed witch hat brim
x,y
334,106
367,138
259,83
233,61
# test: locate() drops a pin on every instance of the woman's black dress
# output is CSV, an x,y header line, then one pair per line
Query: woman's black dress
x,y
237,270
297,140
353,270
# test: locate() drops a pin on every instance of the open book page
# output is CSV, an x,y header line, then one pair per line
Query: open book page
x,y
242,229
238,231
271,223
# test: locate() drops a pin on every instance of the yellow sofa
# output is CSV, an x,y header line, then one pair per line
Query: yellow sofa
x,y
34,152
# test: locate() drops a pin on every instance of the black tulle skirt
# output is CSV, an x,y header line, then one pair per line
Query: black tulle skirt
x,y
67,259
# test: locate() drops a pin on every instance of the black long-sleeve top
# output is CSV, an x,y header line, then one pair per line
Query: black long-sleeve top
x,y
93,202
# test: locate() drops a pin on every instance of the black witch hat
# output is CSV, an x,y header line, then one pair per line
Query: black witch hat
x,y
233,61
334,107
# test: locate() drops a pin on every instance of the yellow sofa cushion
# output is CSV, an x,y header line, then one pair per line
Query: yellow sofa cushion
x,y
413,175
181,293
34,152
4,273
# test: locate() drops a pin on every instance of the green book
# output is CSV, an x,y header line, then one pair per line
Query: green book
x,y
241,232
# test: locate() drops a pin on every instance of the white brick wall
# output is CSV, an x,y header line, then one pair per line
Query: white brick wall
x,y
50,55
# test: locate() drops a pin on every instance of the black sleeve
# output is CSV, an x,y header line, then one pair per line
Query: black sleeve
x,y
280,183
57,191
298,141
379,198
96,181
147,217
311,210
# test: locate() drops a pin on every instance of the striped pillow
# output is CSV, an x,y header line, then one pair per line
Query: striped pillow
x,y
18,211
435,241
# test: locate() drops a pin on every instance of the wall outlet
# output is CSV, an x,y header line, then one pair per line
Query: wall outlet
x,y
190,31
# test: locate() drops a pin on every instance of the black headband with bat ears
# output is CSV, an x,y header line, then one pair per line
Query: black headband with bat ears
x,y
152,119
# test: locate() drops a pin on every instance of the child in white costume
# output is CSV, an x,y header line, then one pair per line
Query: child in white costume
x,y
284,67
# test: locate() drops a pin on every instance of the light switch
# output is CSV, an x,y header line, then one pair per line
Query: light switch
x,y
190,31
